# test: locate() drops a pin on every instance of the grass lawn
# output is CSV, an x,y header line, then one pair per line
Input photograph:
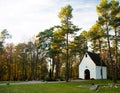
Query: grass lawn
x,y
70,87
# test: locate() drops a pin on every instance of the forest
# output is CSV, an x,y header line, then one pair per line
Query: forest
x,y
56,52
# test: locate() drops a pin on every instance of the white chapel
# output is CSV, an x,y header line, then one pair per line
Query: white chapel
x,y
91,67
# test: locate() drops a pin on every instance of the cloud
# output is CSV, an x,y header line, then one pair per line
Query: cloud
x,y
25,18
85,14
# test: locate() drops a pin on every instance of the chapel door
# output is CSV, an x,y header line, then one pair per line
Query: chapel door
x,y
87,74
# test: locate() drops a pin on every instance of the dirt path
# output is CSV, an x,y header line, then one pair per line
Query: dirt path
x,y
28,82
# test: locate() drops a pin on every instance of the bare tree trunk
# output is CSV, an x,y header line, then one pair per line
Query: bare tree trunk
x,y
116,59
57,67
53,66
101,60
110,54
67,63
36,64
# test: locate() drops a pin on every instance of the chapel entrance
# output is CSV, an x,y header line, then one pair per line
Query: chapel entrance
x,y
87,74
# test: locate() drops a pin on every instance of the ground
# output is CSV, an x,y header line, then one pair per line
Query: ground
x,y
59,87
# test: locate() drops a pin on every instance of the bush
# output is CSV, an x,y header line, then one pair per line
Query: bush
x,y
49,79
60,79
92,79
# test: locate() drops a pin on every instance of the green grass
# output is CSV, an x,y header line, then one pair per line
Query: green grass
x,y
71,87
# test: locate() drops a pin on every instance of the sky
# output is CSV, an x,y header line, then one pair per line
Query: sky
x,y
26,18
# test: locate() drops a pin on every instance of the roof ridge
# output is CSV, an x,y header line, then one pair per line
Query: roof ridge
x,y
96,58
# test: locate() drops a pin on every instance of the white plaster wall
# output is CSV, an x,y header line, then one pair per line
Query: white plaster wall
x,y
87,63
105,72
98,71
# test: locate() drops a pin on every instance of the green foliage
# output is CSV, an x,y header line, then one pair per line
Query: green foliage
x,y
96,35
103,8
96,32
65,14
3,35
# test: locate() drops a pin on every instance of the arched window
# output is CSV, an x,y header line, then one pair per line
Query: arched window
x,y
86,55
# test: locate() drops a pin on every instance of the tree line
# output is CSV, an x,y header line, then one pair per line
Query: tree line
x,y
55,53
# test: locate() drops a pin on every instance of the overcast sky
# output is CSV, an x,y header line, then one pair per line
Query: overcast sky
x,y
26,18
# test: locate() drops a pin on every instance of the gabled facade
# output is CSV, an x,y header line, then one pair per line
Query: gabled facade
x,y
91,67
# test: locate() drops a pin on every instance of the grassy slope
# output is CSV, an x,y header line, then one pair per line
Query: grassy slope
x,y
71,87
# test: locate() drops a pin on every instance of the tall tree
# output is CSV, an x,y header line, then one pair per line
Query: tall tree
x,y
115,24
80,44
57,44
65,16
45,37
108,12
103,10
77,49
96,35
3,35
